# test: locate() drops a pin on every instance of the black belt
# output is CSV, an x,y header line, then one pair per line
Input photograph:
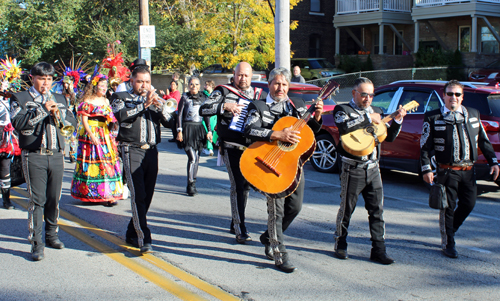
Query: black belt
x,y
141,146
364,165
44,151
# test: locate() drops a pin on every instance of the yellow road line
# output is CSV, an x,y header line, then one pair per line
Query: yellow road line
x,y
165,266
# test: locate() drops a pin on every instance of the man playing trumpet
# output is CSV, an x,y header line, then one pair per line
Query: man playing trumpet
x,y
139,112
34,114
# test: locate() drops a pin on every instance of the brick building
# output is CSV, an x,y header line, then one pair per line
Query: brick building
x,y
393,30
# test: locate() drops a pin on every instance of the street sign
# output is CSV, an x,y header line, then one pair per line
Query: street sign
x,y
146,54
147,36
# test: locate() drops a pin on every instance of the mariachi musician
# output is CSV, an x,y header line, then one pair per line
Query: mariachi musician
x,y
226,101
36,115
361,174
139,115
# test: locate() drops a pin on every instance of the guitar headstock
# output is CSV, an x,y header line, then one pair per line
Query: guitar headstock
x,y
411,106
331,87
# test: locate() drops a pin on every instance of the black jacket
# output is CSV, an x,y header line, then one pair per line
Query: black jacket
x,y
437,138
349,119
260,119
138,125
31,119
213,106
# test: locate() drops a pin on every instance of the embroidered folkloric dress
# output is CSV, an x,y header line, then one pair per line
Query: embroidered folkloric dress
x,y
97,176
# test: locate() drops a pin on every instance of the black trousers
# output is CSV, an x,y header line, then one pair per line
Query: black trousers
x,y
44,175
193,162
239,191
462,185
368,183
141,168
281,213
5,172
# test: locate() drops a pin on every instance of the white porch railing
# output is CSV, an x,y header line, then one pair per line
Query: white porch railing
x,y
363,6
444,2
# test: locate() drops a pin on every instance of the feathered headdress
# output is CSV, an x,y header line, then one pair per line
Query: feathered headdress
x,y
97,76
74,73
10,70
114,62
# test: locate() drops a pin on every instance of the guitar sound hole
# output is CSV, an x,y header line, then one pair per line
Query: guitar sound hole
x,y
286,147
370,130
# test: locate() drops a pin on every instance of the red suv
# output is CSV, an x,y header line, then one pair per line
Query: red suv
x,y
404,152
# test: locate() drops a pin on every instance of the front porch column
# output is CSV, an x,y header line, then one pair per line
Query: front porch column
x,y
417,36
381,39
473,37
337,40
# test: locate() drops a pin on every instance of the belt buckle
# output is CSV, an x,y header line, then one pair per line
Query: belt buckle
x,y
145,146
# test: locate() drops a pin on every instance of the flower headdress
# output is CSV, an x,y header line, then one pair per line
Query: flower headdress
x,y
97,76
10,70
114,62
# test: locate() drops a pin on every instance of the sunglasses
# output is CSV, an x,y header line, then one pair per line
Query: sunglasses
x,y
457,94
364,95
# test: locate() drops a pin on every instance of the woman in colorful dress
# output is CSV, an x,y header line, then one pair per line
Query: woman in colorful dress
x,y
97,176
191,134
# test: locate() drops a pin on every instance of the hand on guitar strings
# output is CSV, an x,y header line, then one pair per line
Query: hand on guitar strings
x,y
233,107
376,118
286,135
401,113
318,110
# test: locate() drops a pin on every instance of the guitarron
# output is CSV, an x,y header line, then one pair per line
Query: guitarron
x,y
274,168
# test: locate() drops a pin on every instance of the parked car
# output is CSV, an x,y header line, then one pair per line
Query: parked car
x,y
315,68
404,153
490,73
218,69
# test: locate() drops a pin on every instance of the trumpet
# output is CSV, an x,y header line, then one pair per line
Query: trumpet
x,y
170,105
64,126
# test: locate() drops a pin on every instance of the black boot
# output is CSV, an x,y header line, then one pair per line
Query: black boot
x,y
194,187
191,189
6,198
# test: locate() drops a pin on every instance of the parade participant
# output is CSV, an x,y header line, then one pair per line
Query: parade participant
x,y
10,73
117,72
97,176
209,150
139,114
224,102
192,135
36,115
453,133
262,115
125,86
361,175
297,78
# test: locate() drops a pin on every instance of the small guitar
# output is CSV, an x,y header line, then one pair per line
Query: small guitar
x,y
274,168
361,142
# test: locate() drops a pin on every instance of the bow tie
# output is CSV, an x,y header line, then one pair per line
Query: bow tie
x,y
454,117
279,107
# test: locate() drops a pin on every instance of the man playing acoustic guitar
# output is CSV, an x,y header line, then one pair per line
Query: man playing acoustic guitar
x,y
361,174
262,115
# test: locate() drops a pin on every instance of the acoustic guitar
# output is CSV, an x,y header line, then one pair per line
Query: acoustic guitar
x,y
362,141
274,168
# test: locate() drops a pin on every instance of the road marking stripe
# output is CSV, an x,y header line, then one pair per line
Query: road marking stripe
x,y
169,268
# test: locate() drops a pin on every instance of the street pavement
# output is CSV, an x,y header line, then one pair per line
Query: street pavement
x,y
196,258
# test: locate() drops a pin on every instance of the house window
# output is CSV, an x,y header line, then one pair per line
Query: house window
x,y
314,45
398,44
376,44
315,6
488,42
464,38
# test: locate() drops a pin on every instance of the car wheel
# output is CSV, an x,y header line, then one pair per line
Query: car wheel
x,y
324,158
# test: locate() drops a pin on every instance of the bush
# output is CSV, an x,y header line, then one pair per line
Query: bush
x,y
351,64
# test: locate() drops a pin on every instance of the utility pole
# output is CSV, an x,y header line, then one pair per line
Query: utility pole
x,y
282,34
144,46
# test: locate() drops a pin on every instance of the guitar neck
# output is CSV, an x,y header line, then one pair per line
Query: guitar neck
x,y
390,117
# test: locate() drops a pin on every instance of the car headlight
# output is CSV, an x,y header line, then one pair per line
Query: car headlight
x,y
325,74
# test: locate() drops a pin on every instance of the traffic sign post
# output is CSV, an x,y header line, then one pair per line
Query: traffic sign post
x,y
147,40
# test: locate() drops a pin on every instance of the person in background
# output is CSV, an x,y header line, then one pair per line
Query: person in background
x,y
191,133
35,114
209,88
173,93
180,83
297,78
453,134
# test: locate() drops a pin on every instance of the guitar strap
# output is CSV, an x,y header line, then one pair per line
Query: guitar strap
x,y
257,92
